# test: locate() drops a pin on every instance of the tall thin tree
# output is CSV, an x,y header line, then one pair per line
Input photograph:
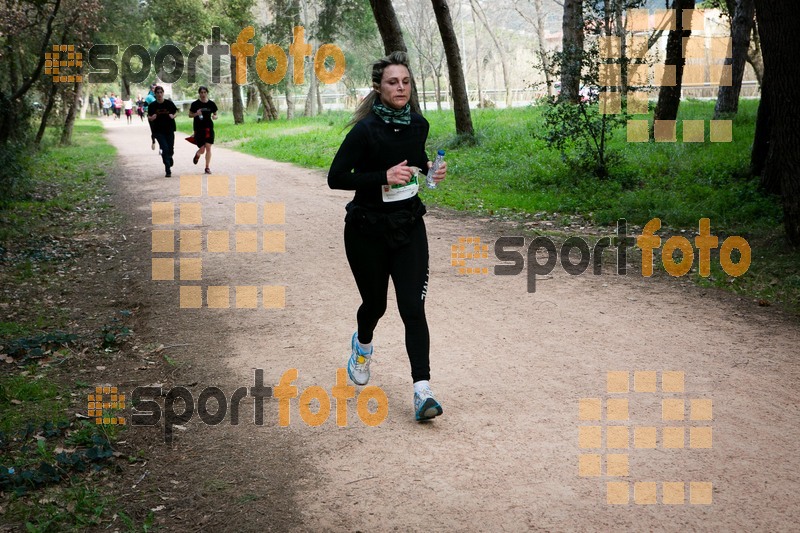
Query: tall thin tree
x,y
741,27
458,86
572,51
669,96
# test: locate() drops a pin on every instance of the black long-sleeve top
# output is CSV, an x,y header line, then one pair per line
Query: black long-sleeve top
x,y
369,150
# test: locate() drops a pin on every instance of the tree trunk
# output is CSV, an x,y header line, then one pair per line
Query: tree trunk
x,y
69,123
125,88
741,28
311,102
619,26
437,82
252,98
85,105
388,26
779,26
457,84
51,100
265,93
669,98
754,56
289,100
572,51
477,59
392,37
761,145
236,95
422,77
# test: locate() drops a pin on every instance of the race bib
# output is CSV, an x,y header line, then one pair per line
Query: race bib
x,y
395,193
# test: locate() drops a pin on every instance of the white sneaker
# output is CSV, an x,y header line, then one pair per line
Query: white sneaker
x,y
425,405
358,364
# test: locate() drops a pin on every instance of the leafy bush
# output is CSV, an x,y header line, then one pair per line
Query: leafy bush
x,y
15,171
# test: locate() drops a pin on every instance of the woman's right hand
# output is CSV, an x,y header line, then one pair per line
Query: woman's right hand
x,y
400,174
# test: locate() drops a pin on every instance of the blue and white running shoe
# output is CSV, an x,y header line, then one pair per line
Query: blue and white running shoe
x,y
358,364
425,405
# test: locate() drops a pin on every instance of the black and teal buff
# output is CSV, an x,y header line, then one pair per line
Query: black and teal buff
x,y
395,116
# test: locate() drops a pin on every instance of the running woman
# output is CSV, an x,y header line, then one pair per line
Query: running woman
x,y
203,111
384,234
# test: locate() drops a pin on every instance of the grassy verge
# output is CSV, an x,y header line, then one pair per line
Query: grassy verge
x,y
53,463
512,169
511,172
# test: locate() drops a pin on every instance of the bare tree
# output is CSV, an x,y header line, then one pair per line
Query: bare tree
x,y
313,102
478,11
478,59
537,21
421,27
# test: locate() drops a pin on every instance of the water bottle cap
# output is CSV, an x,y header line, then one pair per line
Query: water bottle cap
x,y
440,152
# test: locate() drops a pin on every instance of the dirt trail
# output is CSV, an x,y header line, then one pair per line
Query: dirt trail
x,y
509,367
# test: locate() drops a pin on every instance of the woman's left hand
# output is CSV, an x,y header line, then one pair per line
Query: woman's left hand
x,y
441,172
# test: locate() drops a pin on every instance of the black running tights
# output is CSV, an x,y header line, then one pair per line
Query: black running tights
x,y
373,262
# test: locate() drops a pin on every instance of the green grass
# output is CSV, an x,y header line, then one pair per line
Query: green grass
x,y
62,509
45,488
27,399
510,171
65,178
66,196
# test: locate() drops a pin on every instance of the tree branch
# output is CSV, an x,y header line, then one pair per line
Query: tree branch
x,y
45,42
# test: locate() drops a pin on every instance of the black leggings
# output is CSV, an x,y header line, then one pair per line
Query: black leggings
x,y
372,262
166,141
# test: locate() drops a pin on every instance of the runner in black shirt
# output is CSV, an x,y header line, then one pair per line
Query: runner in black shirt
x,y
161,115
203,110
384,235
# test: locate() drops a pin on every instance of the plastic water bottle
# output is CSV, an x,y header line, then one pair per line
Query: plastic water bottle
x,y
436,164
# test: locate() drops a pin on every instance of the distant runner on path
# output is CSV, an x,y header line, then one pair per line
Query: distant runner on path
x,y
161,115
203,111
